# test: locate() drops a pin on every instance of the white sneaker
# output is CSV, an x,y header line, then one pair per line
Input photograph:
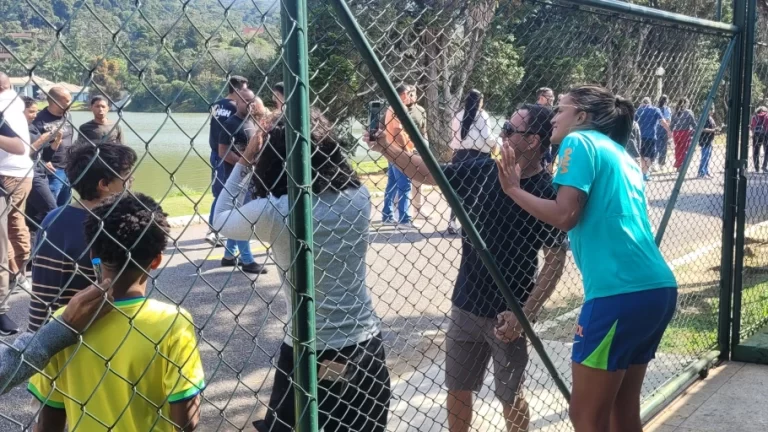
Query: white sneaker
x,y
214,239
23,283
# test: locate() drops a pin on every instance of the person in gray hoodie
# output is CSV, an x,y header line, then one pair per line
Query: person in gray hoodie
x,y
30,352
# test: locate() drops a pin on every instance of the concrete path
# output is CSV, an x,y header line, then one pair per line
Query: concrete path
x,y
411,275
730,399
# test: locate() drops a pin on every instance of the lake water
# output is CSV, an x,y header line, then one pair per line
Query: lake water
x,y
173,149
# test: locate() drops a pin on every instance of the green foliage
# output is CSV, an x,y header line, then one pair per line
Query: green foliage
x,y
499,72
166,55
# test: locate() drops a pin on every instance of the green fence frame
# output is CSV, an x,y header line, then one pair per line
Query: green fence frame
x,y
299,153
738,56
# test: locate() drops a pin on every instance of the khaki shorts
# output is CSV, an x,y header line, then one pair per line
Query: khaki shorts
x,y
470,343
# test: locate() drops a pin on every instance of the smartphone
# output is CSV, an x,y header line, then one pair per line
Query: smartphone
x,y
375,110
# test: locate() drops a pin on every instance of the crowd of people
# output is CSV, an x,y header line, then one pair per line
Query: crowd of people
x,y
597,196
522,206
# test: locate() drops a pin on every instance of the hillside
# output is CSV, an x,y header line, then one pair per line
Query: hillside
x,y
163,53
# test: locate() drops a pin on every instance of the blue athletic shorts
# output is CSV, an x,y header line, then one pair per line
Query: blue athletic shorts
x,y
618,331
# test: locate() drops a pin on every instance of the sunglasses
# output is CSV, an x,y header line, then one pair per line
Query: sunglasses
x,y
509,130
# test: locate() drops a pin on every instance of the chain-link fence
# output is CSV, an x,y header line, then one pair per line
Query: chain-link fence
x,y
376,258
750,285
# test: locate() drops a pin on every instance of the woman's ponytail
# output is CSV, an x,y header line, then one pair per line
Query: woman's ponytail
x,y
609,114
625,118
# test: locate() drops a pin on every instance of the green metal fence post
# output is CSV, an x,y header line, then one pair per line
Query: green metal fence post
x,y
349,23
731,179
741,195
296,80
692,149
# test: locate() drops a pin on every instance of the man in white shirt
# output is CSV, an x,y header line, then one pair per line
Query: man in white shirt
x,y
16,181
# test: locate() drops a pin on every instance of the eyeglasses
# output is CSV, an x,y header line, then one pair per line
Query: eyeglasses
x,y
559,108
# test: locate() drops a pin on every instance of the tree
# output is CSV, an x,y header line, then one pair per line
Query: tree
x,y
107,77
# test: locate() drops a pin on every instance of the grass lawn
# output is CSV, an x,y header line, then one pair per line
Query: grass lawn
x,y
177,204
694,328
182,201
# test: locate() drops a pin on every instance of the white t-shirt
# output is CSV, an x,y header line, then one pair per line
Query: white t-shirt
x,y
479,136
12,108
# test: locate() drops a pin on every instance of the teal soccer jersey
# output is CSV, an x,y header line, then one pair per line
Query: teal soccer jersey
x,y
612,243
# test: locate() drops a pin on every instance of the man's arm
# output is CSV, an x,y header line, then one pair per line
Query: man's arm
x,y
228,155
30,352
411,165
509,328
51,420
9,140
551,271
186,414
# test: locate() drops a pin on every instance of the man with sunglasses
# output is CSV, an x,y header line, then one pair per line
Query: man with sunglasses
x,y
514,238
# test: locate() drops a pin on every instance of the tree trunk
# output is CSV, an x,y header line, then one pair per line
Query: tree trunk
x,y
447,76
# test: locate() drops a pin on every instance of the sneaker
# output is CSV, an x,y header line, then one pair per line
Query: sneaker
x,y
7,326
214,239
228,262
23,282
388,222
253,268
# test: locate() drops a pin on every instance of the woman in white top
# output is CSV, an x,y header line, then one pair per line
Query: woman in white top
x,y
472,137
472,129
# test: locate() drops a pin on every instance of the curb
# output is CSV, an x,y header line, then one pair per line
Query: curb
x,y
184,221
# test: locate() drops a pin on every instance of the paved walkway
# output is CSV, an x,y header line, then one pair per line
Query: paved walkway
x,y
731,399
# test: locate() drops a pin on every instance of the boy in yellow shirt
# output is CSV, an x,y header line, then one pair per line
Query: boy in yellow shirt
x,y
138,368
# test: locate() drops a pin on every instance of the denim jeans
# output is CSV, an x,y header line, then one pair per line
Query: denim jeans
x,y
59,185
217,178
232,247
706,154
398,185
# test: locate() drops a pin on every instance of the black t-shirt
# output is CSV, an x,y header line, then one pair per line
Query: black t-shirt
x,y
34,135
220,112
707,138
236,133
513,236
47,122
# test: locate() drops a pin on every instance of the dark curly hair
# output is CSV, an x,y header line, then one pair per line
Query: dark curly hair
x,y
128,228
330,168
110,162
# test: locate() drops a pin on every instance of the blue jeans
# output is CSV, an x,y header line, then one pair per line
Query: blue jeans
x,y
59,185
232,247
706,154
398,185
217,178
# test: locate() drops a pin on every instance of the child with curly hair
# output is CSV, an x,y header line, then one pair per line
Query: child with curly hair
x,y
138,368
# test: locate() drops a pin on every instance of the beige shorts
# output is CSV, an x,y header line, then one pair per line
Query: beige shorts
x,y
470,343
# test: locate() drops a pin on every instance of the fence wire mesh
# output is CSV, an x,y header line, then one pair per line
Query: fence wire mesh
x,y
386,266
753,300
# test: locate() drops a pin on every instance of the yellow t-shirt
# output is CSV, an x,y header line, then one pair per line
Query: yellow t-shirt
x,y
131,364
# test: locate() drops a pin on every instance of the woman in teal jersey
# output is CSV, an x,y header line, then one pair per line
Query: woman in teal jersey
x,y
630,292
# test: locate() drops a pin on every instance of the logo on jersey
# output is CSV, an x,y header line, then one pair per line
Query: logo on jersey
x,y
217,112
579,331
566,162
